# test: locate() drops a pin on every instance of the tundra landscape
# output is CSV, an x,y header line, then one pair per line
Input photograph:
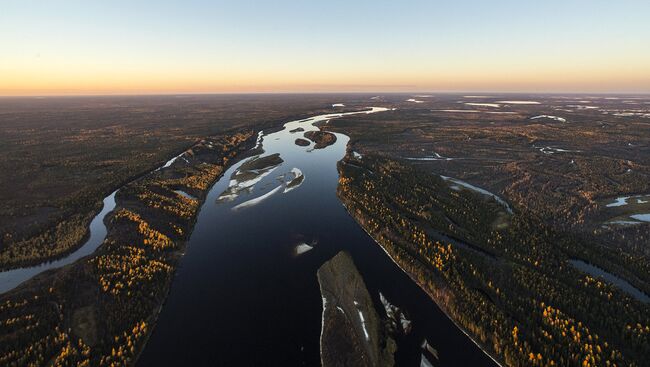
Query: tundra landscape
x,y
325,183
522,217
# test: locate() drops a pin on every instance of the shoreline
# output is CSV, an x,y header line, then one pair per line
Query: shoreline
x,y
444,311
110,300
482,347
129,261
92,213
256,149
267,127
183,246
95,208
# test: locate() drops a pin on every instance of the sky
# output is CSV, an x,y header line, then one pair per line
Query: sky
x,y
59,47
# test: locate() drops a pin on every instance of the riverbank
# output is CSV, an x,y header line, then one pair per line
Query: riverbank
x,y
56,174
433,296
233,270
108,302
506,300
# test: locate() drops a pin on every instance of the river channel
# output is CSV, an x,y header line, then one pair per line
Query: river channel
x,y
246,291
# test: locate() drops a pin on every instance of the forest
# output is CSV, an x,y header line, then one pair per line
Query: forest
x,y
100,310
62,155
510,287
504,272
566,171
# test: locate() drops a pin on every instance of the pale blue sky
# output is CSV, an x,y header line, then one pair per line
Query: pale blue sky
x,y
216,46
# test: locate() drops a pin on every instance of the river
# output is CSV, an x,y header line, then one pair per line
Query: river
x,y
246,292
621,283
10,279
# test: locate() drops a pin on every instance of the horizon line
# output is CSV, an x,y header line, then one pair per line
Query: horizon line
x,y
476,92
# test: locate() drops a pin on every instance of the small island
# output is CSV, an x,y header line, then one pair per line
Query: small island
x,y
302,142
322,139
271,160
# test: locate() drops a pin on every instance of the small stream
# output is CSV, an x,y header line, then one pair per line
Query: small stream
x,y
622,284
10,279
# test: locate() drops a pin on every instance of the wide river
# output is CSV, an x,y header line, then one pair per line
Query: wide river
x,y
243,295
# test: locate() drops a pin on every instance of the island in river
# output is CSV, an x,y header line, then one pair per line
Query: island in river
x,y
321,138
302,142
532,241
353,333
253,259
103,309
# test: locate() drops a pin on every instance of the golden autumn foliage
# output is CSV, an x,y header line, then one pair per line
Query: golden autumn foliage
x,y
127,278
491,280
150,236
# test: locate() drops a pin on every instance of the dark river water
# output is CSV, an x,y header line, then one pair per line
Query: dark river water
x,y
243,297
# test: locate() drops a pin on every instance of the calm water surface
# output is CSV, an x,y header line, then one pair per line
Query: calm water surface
x,y
10,279
243,297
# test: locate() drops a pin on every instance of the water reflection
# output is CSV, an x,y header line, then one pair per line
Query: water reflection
x,y
246,291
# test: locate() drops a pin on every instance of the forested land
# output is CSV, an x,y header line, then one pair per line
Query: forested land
x,y
60,156
100,310
507,282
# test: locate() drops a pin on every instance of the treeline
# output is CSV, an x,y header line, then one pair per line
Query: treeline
x,y
61,156
100,311
510,287
49,244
